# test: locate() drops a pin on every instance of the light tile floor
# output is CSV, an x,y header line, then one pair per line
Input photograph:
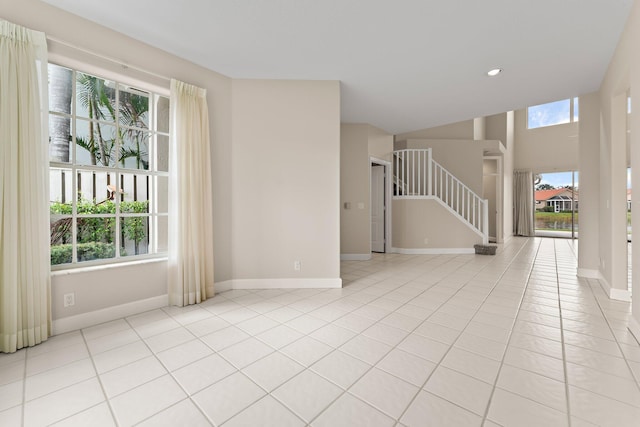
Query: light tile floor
x,y
514,339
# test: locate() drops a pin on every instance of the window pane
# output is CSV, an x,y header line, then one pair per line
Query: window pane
x,y
61,239
135,189
576,109
134,107
95,143
135,236
60,189
162,153
162,114
60,89
96,192
135,149
95,98
553,113
59,138
96,237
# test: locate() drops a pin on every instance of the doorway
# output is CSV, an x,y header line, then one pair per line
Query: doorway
x,y
492,192
557,204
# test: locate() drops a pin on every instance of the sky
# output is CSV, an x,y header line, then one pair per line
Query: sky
x,y
553,113
560,179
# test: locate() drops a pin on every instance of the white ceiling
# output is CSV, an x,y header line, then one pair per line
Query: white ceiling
x,y
403,64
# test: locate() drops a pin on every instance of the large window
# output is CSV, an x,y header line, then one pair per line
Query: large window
x,y
553,113
109,158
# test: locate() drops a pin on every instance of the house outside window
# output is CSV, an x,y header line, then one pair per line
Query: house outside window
x,y
553,113
109,158
556,200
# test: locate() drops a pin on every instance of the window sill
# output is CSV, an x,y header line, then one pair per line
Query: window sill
x,y
101,267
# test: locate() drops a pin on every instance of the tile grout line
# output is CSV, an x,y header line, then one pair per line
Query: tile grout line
x,y
524,292
624,357
24,387
168,372
346,390
438,364
564,356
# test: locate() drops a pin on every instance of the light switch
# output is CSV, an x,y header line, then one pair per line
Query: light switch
x,y
360,205
347,205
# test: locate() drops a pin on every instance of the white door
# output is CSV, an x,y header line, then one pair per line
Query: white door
x,y
377,208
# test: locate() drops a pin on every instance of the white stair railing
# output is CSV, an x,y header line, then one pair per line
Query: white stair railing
x,y
418,176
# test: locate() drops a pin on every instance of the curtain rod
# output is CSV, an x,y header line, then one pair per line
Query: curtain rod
x,y
107,58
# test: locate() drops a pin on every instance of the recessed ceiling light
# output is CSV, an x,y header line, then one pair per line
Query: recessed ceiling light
x,y
494,72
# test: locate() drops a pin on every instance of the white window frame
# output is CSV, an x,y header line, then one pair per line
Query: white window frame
x,y
153,215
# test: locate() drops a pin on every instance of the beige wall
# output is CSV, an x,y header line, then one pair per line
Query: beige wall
x,y
622,75
355,222
103,287
463,158
589,155
426,224
97,289
285,179
480,129
459,130
546,149
380,143
612,160
501,127
358,143
632,33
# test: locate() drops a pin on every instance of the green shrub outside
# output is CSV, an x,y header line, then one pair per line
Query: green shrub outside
x,y
62,254
95,238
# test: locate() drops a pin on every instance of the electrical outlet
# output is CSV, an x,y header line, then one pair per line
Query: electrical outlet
x,y
297,266
69,299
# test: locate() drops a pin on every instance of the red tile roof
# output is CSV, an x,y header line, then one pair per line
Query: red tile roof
x,y
542,195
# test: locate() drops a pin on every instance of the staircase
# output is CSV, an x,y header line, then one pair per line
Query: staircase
x,y
417,176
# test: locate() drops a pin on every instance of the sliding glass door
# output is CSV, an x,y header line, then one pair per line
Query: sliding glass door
x,y
556,204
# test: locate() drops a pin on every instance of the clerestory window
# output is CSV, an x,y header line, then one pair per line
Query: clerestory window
x,y
553,113
109,158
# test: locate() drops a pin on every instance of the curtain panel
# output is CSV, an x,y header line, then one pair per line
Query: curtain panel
x,y
190,197
25,279
523,220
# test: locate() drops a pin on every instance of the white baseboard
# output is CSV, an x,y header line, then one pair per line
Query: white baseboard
x,y
355,257
620,295
227,285
434,251
84,320
589,273
613,293
288,283
634,327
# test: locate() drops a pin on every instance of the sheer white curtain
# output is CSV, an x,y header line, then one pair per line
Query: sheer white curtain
x,y
190,198
523,203
25,298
